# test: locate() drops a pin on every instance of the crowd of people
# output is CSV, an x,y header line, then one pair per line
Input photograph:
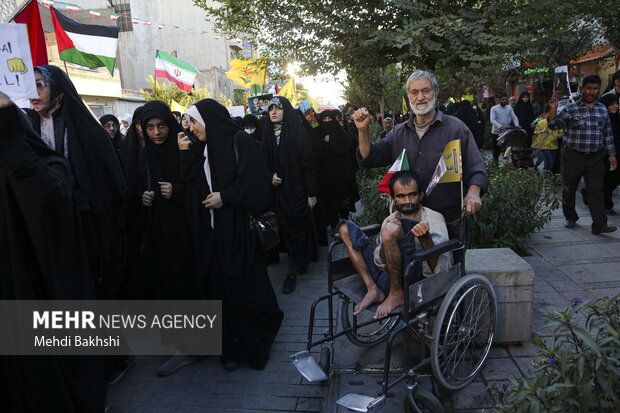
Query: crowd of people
x,y
161,205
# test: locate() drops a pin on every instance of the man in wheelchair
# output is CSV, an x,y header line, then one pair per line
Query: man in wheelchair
x,y
411,227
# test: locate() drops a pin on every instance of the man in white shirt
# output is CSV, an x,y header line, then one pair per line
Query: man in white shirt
x,y
502,116
412,227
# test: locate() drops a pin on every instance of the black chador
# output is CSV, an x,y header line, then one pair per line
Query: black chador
x,y
99,179
230,164
288,150
337,167
42,257
166,246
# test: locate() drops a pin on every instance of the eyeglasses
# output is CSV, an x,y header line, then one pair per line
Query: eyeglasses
x,y
41,84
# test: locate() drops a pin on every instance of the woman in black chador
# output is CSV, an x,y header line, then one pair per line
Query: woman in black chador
x,y
337,167
288,150
112,125
232,182
42,257
166,247
67,126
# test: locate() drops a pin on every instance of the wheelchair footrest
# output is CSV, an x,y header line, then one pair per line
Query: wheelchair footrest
x,y
360,402
307,366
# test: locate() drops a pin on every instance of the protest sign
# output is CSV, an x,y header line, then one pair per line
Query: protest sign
x,y
236,111
16,73
259,104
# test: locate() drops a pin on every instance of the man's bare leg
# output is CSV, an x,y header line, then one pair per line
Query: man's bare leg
x,y
373,294
391,256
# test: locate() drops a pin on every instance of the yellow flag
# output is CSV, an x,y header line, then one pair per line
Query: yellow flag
x,y
174,105
404,108
248,72
452,159
288,91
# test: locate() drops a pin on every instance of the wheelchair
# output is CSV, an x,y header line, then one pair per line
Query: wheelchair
x,y
452,313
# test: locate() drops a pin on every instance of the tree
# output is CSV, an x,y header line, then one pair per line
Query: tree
x,y
329,35
376,89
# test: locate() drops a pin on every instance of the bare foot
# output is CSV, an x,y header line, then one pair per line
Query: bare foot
x,y
374,295
390,304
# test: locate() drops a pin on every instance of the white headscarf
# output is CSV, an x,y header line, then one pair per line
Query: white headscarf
x,y
194,113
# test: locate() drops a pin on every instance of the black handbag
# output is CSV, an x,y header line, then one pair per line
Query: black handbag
x,y
266,230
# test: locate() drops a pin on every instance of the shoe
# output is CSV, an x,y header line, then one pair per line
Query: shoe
x,y
175,363
289,283
229,364
606,229
611,212
118,374
570,223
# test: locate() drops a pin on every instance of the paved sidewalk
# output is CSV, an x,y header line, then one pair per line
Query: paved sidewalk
x,y
567,264
207,388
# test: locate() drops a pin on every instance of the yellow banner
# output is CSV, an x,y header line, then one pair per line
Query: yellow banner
x,y
174,105
248,72
288,91
404,107
452,158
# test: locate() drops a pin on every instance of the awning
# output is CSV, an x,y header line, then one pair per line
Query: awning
x,y
593,54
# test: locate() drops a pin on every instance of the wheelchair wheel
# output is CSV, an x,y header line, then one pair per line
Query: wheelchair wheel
x,y
370,334
425,401
463,331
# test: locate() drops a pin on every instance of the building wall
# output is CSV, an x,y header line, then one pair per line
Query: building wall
x,y
137,47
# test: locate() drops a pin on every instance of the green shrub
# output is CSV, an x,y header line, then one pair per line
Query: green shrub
x,y
375,207
518,203
576,371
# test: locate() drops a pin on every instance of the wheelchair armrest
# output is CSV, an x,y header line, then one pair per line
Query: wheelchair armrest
x,y
437,250
369,230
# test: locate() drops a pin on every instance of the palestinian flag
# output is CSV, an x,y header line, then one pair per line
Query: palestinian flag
x,y
175,70
401,164
85,44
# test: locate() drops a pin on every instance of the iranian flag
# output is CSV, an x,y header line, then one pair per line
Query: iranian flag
x,y
72,7
85,44
401,164
175,70
94,13
114,17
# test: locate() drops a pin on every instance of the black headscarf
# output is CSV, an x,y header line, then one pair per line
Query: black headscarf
x,y
525,112
99,177
163,160
117,140
251,120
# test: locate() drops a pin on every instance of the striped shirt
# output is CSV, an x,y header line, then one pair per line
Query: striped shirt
x,y
586,129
